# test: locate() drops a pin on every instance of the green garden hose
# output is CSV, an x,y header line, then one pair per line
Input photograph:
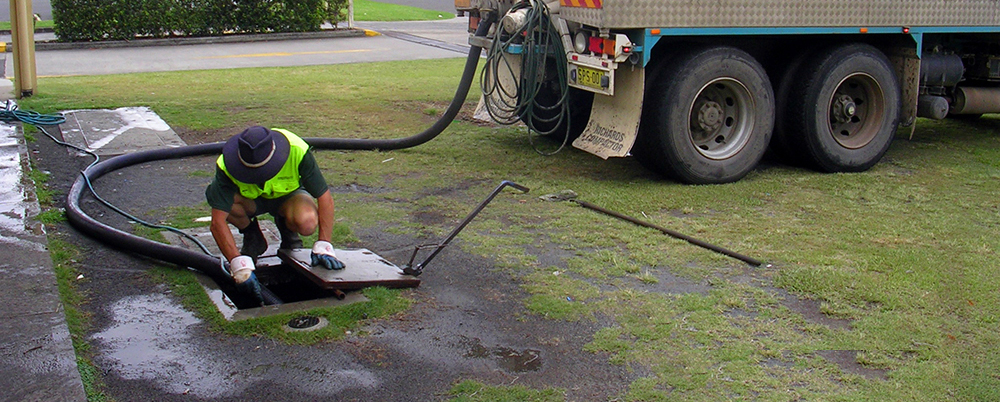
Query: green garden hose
x,y
542,53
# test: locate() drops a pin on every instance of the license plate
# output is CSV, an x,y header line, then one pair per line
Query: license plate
x,y
589,77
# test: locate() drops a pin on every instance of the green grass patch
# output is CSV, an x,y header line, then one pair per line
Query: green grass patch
x,y
903,256
40,178
43,24
51,216
186,217
64,260
367,10
473,391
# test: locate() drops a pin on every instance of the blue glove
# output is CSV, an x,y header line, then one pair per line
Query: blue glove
x,y
241,268
322,255
251,287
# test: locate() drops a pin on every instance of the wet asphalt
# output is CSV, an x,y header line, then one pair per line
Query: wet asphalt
x,y
467,320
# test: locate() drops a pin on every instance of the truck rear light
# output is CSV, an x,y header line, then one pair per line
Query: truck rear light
x,y
601,46
596,45
580,42
609,47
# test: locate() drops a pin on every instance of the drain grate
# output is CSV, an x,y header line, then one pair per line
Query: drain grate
x,y
303,322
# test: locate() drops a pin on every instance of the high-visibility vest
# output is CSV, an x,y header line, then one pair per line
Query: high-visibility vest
x,y
287,179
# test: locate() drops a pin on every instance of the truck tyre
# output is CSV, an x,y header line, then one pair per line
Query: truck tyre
x,y
844,110
709,116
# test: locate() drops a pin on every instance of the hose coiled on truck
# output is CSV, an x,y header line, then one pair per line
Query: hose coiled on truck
x,y
539,96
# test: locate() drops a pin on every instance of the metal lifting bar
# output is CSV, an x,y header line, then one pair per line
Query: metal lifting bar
x,y
671,233
416,270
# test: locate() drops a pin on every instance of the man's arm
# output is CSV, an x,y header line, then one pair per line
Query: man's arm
x,y
322,252
223,236
324,204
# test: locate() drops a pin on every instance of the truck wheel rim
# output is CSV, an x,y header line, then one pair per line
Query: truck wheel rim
x,y
856,111
721,118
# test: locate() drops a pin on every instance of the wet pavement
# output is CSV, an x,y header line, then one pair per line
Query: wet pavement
x,y
118,131
37,361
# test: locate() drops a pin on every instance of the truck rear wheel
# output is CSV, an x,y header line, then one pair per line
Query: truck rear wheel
x,y
709,117
844,110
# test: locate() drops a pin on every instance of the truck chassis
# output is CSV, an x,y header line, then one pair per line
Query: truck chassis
x,y
699,91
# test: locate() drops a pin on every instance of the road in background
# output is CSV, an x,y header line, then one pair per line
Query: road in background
x,y
44,9
402,41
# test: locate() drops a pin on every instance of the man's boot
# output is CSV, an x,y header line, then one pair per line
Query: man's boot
x,y
254,243
289,239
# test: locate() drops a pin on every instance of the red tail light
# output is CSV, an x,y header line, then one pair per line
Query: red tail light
x,y
596,45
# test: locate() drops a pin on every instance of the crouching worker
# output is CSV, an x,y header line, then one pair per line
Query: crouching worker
x,y
269,171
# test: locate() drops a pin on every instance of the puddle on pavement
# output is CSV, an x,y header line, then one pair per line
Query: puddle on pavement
x,y
150,340
508,359
668,283
154,340
17,202
848,362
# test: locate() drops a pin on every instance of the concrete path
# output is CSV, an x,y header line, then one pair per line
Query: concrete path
x,y
37,361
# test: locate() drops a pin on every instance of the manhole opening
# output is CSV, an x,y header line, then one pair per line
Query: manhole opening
x,y
283,282
290,277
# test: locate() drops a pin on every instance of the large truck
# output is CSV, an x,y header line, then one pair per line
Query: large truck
x,y
700,90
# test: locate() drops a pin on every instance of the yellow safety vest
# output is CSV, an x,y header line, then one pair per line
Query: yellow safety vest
x,y
287,179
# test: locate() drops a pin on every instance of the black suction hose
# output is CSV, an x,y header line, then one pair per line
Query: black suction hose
x,y
208,264
449,115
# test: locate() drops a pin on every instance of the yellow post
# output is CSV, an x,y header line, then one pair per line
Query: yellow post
x,y
22,32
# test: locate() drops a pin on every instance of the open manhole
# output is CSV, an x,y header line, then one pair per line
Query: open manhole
x,y
289,276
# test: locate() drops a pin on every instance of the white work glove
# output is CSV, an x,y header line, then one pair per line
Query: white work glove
x,y
241,268
322,255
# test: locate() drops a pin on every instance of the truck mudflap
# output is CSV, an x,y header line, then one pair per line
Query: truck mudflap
x,y
614,121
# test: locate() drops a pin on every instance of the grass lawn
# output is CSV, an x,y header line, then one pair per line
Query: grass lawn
x,y
43,24
883,285
367,10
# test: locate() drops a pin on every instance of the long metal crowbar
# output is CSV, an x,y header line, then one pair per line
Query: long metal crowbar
x,y
416,270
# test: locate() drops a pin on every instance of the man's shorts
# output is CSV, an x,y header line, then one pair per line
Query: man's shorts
x,y
273,205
